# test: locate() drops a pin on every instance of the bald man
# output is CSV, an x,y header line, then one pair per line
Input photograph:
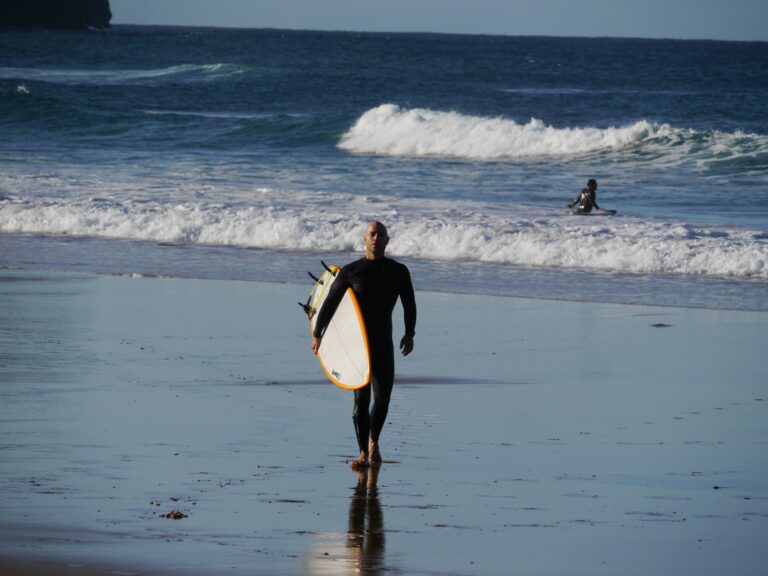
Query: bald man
x,y
378,282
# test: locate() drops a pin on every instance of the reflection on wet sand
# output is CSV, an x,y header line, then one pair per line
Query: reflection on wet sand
x,y
365,535
361,550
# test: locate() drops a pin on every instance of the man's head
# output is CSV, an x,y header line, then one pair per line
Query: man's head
x,y
592,184
375,239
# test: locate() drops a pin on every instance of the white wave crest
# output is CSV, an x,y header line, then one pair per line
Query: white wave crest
x,y
396,131
434,230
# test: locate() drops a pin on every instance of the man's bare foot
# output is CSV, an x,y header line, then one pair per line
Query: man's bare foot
x,y
361,462
373,450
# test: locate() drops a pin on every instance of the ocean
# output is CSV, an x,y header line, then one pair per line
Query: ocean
x,y
253,154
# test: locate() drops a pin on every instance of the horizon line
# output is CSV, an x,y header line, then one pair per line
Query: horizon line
x,y
437,33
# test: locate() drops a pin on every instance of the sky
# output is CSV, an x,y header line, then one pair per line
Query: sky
x,y
682,19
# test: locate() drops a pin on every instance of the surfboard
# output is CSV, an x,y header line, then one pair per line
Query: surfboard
x,y
603,212
344,354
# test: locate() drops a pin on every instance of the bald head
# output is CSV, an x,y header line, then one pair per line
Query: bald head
x,y
375,239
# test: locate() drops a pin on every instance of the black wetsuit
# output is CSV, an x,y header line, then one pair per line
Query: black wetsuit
x,y
377,285
587,199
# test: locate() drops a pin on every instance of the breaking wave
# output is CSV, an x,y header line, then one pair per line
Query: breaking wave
x,y
433,230
394,131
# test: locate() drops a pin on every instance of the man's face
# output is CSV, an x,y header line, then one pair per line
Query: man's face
x,y
375,239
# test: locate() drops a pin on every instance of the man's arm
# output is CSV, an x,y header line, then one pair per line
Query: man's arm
x,y
408,300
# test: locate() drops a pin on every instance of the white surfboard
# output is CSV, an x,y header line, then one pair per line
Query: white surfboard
x,y
344,354
601,212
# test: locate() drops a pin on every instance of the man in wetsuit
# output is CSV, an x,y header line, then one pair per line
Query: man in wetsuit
x,y
377,281
587,199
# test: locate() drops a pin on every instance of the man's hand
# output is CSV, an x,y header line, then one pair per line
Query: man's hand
x,y
406,345
316,344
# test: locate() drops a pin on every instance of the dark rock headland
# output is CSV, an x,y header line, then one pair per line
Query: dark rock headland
x,y
63,14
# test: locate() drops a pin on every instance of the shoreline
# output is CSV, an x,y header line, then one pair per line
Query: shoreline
x,y
303,284
99,256
518,427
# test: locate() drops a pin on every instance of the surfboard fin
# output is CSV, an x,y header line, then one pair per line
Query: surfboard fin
x,y
315,278
327,268
307,309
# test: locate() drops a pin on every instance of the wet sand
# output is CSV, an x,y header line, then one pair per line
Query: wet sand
x,y
529,437
36,567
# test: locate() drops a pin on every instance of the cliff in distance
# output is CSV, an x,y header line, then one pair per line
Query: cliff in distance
x,y
66,14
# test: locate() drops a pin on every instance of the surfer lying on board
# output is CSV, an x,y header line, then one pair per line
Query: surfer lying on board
x,y
377,281
587,199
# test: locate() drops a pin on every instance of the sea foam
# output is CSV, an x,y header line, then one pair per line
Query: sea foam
x,y
426,229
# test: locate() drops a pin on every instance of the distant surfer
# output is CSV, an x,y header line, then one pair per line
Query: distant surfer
x,y
378,282
587,199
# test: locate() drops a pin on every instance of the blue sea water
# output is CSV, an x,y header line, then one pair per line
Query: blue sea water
x,y
252,154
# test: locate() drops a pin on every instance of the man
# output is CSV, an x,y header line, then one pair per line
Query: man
x,y
587,199
377,281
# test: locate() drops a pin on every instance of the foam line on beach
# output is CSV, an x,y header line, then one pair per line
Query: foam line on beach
x,y
432,230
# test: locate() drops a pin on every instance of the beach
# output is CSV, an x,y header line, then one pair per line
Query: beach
x,y
168,426
587,394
